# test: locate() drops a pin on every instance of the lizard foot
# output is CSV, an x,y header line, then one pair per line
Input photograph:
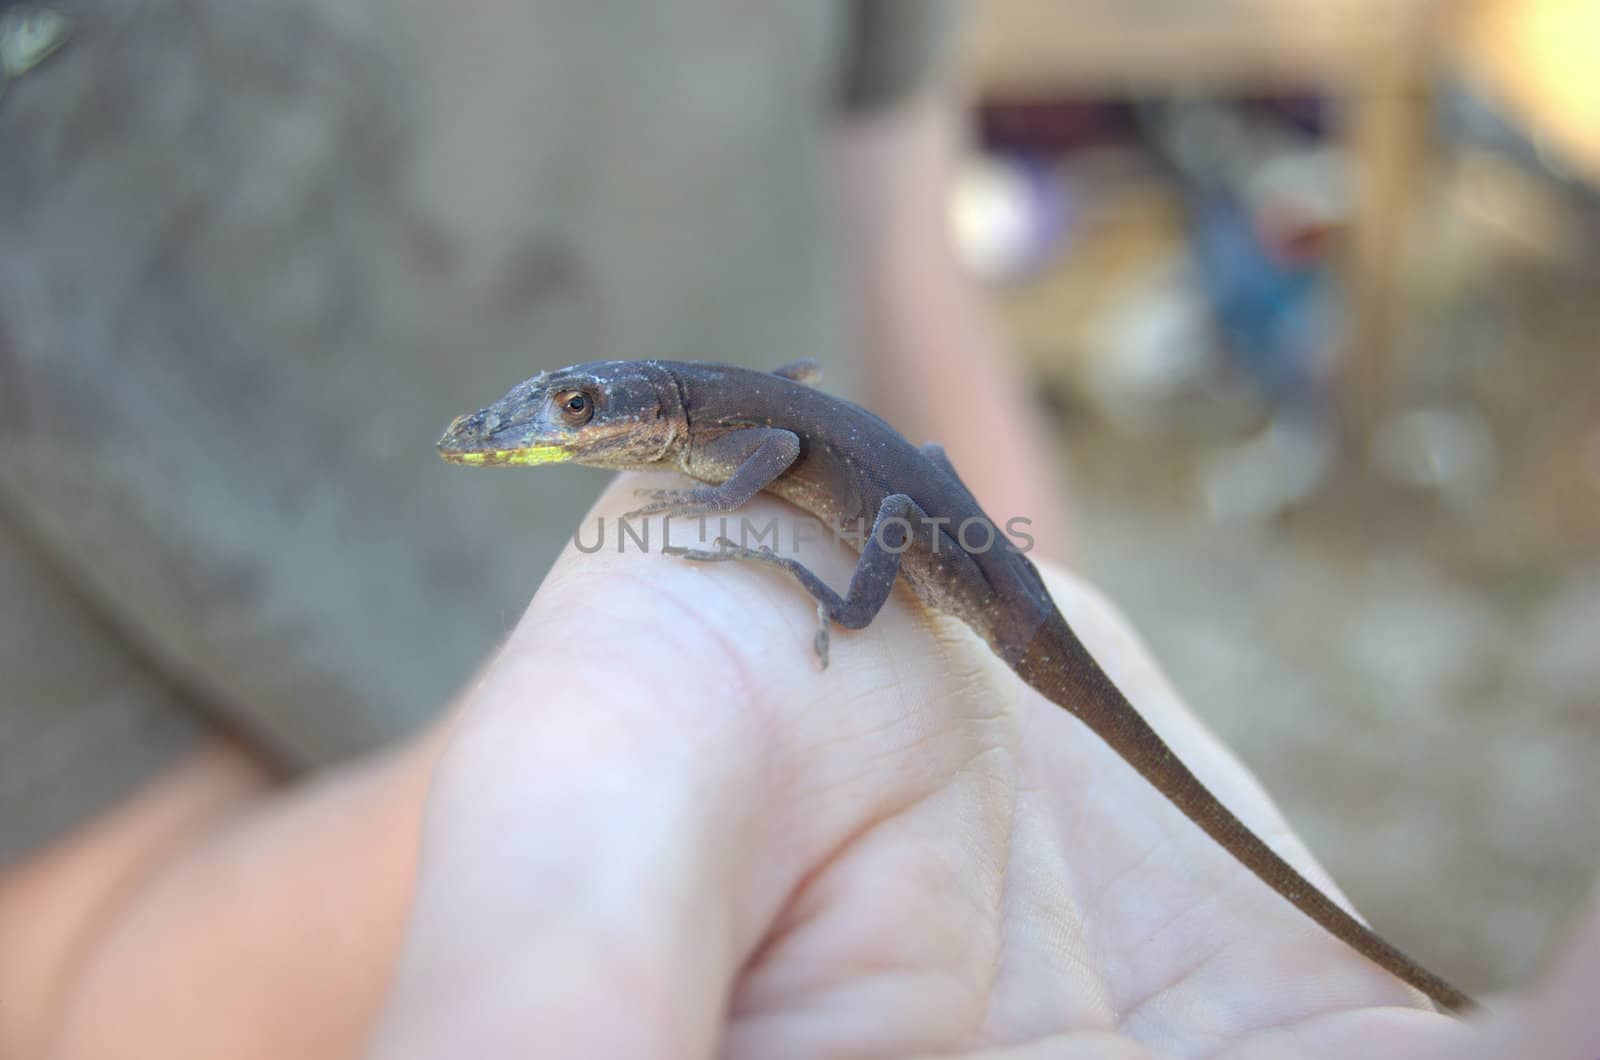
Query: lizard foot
x,y
670,503
697,555
725,550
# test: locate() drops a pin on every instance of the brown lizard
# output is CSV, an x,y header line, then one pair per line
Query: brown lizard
x,y
741,431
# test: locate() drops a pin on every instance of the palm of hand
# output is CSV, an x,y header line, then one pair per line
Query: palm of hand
x,y
1006,883
674,851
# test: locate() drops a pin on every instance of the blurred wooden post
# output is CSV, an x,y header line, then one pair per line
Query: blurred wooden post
x,y
1388,129
1372,54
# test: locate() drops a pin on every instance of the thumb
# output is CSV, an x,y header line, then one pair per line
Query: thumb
x,y
592,842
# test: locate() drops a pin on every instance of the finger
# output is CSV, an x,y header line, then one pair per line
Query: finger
x,y
587,839
549,890
622,809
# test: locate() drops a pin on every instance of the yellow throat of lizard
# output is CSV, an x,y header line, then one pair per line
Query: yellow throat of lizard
x,y
537,454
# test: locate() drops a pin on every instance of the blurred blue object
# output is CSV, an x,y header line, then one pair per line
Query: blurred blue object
x,y
1263,192
1275,312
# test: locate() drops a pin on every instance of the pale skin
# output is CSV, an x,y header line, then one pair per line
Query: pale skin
x,y
637,841
908,854
223,912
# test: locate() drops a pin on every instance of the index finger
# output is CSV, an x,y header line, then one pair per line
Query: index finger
x,y
636,783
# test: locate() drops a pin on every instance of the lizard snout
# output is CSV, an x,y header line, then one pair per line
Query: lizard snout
x,y
463,429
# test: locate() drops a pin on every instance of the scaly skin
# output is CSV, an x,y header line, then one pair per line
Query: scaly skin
x,y
740,432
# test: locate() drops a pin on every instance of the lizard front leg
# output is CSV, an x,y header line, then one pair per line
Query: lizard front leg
x,y
870,582
752,457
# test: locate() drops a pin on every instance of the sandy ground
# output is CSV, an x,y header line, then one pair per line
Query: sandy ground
x,y
1416,682
1434,741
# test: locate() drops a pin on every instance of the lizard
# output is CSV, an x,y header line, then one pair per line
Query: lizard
x,y
738,431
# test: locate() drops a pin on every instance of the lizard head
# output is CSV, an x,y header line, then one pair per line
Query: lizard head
x,y
615,414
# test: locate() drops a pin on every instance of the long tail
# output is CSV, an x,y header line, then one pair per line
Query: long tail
x,y
1057,664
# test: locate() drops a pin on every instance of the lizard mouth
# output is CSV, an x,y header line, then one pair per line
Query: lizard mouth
x,y
533,454
466,441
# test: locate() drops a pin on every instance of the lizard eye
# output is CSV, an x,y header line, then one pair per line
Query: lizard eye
x,y
577,408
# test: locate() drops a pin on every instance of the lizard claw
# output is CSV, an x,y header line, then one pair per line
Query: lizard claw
x,y
726,548
730,545
697,555
819,642
669,502
669,508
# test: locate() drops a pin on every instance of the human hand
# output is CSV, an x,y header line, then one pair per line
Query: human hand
x,y
659,830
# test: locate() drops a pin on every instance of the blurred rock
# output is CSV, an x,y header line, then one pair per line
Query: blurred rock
x,y
1269,474
1591,457
1416,641
1451,452
1560,664
1146,348
28,36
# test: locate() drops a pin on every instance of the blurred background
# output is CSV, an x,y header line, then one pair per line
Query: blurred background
x,y
1313,291
1306,291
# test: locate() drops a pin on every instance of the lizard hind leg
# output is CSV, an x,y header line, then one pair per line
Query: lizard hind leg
x,y
870,582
